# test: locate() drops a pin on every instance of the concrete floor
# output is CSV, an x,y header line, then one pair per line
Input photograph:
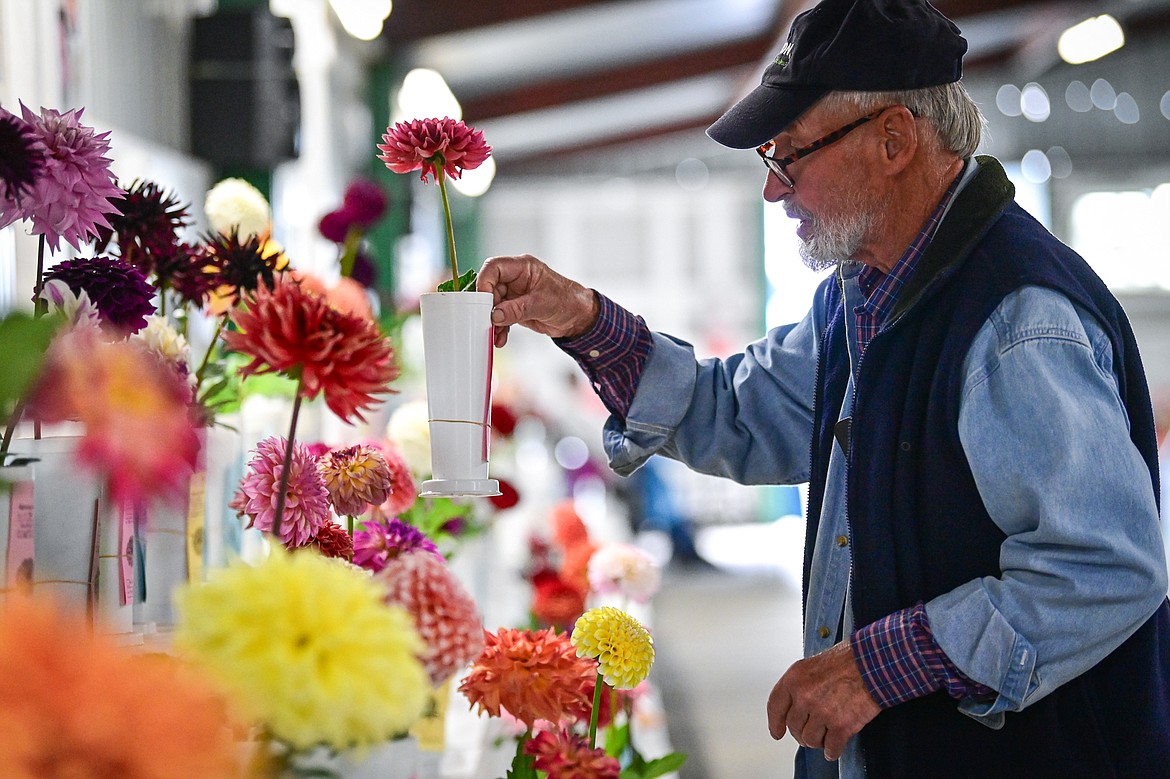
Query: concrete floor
x,y
723,636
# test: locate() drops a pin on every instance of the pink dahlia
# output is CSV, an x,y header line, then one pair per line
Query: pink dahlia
x,y
565,755
445,615
403,489
75,191
133,407
356,477
433,145
377,542
306,505
22,158
288,330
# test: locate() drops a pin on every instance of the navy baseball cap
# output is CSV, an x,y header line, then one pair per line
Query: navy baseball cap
x,y
863,45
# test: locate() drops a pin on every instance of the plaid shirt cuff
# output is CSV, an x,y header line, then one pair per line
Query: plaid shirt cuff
x,y
900,661
612,354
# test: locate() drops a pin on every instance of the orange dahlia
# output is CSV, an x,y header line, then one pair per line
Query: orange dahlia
x,y
565,755
445,615
285,329
74,704
534,675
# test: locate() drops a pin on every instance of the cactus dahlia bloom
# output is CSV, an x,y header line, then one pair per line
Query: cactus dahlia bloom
x,y
445,615
75,189
534,675
285,329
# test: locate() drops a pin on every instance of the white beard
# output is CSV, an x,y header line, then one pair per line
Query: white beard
x,y
835,238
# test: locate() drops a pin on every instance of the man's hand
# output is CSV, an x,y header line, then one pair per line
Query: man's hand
x,y
821,701
527,292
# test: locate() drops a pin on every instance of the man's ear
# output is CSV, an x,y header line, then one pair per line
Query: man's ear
x,y
899,137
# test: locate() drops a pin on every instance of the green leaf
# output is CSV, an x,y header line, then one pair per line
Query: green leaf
x,y
616,739
465,283
641,769
23,341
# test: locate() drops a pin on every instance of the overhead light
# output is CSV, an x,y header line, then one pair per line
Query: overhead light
x,y
1090,40
362,18
425,95
476,181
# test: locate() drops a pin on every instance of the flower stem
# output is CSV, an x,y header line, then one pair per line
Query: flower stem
x,y
40,308
353,238
210,348
288,453
597,687
442,177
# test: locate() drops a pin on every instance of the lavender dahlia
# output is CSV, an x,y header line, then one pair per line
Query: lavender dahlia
x,y
76,190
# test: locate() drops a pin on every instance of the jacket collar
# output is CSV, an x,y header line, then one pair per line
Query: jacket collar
x,y
974,210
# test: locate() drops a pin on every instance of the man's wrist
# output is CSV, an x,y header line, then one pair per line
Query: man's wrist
x,y
586,323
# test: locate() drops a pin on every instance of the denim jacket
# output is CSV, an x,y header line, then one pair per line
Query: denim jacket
x,y
1046,436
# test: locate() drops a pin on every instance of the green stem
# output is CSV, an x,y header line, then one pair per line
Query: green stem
x,y
210,348
596,705
288,454
353,239
442,177
40,308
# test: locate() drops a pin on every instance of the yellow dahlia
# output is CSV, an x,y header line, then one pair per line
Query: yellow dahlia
x,y
623,648
534,675
305,645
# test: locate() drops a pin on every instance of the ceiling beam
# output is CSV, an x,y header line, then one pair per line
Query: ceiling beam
x,y
413,20
642,75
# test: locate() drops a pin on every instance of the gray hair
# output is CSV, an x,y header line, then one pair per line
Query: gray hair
x,y
957,120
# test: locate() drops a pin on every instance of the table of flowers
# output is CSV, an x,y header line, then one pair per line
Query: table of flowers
x,y
200,581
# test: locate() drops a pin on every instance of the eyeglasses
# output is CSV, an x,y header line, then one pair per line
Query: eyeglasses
x,y
778,166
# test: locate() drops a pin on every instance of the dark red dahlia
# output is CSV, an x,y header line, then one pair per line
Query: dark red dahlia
x,y
22,156
333,541
148,227
242,264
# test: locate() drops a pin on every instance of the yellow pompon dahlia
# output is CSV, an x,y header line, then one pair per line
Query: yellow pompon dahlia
x,y
534,675
623,648
73,703
305,645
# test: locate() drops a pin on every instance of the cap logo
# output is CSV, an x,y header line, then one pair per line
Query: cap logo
x,y
785,55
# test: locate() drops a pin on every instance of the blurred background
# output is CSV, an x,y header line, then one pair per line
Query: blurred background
x,y
596,111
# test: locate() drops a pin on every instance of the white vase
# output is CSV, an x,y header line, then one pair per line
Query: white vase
x,y
457,357
116,574
16,526
162,528
224,465
67,519
398,759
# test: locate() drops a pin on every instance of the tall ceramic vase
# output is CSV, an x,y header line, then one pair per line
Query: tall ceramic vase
x,y
457,355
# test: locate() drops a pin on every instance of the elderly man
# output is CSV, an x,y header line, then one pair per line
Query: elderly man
x,y
985,584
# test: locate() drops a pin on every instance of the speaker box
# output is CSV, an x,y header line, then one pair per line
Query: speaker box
x,y
245,102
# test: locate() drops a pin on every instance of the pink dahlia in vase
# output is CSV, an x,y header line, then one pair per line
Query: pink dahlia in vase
x,y
438,148
75,190
305,499
445,614
285,329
